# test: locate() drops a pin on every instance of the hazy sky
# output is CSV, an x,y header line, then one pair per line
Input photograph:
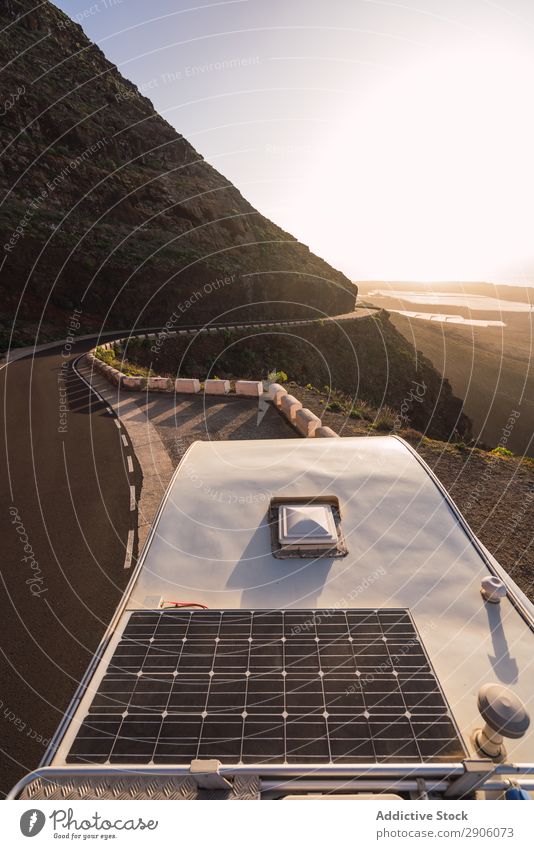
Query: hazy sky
x,y
395,139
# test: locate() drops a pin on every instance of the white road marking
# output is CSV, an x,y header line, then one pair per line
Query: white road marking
x,y
91,387
133,503
117,422
124,440
129,550
130,464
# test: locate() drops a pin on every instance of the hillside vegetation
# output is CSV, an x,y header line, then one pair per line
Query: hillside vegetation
x,y
106,208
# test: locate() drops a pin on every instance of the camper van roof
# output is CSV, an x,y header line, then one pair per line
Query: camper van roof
x,y
405,549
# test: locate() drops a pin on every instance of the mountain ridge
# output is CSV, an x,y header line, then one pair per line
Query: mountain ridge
x,y
105,206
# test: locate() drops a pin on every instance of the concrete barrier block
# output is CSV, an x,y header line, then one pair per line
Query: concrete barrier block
x,y
275,393
325,431
187,384
281,393
289,406
160,384
113,375
249,388
216,387
133,383
307,422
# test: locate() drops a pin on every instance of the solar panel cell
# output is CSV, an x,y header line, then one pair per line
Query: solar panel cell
x,y
312,686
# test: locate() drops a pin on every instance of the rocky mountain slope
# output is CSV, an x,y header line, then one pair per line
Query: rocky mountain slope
x,y
104,207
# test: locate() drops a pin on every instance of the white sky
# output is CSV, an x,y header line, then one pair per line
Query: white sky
x,y
395,139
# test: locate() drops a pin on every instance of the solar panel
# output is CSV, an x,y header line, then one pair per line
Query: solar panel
x,y
306,686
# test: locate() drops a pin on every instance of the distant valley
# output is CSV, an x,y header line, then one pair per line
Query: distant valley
x,y
484,348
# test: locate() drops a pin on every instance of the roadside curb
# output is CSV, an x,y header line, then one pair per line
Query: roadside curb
x,y
304,421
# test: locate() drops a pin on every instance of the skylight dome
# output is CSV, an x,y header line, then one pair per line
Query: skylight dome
x,y
306,524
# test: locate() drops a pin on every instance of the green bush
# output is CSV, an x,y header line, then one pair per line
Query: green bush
x,y
278,377
107,356
111,358
500,451
335,407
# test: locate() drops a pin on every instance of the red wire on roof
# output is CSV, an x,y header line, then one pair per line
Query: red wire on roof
x,y
187,604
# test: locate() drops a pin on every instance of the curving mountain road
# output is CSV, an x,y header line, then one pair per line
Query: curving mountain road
x,y
65,516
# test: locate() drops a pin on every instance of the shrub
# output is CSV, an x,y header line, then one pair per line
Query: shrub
x,y
500,451
360,410
278,376
335,407
384,419
107,356
129,369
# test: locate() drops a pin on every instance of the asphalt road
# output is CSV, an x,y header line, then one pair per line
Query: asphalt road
x,y
64,518
65,508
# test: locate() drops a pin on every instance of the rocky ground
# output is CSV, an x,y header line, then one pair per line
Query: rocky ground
x,y
496,496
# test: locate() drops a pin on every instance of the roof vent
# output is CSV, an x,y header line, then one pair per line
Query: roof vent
x,y
505,716
306,527
306,524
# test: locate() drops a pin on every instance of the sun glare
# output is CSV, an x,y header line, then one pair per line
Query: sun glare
x,y
432,176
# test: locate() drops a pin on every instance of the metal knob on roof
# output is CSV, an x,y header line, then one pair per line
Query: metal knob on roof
x,y
505,716
492,589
